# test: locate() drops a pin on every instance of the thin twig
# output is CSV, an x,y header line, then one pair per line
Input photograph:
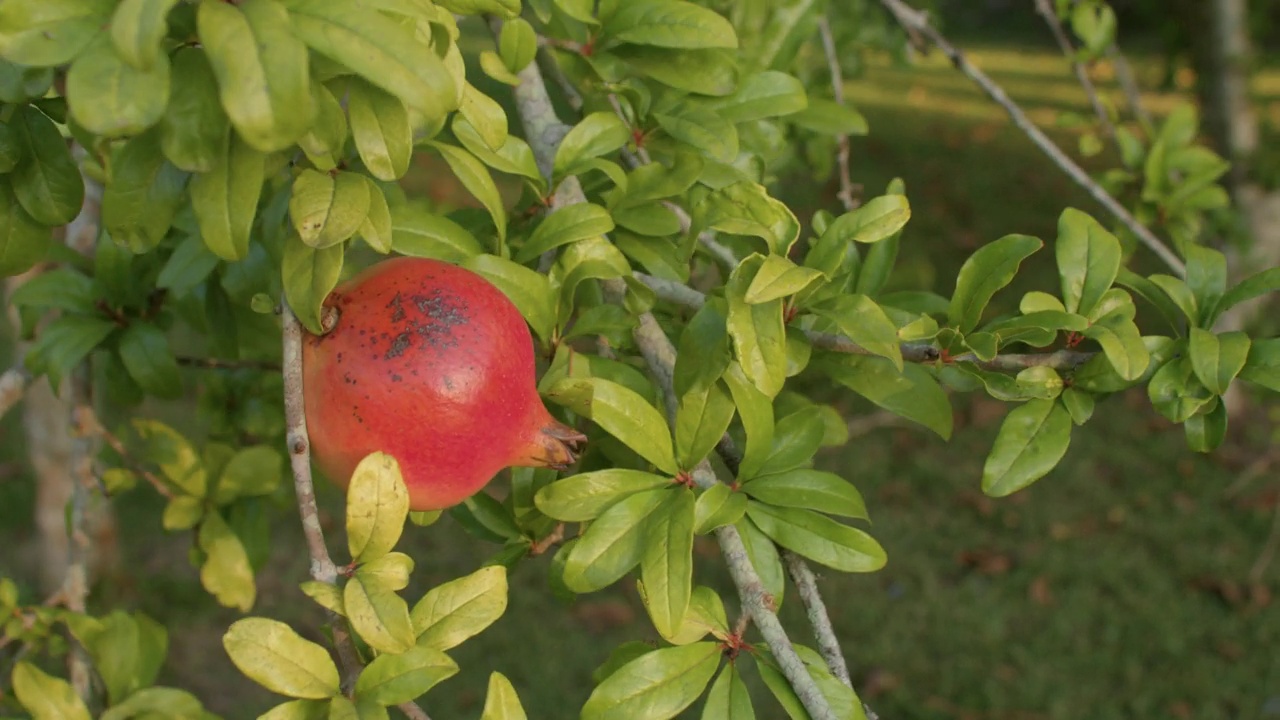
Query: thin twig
x,y
322,566
89,422
544,131
219,364
413,711
911,352
837,88
1129,85
917,22
1046,10
13,385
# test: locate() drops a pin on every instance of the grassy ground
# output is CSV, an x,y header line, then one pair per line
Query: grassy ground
x,y
1119,587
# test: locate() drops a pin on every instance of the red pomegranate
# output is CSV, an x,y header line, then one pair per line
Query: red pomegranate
x,y
433,365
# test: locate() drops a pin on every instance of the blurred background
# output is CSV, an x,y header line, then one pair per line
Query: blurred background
x,y
1135,581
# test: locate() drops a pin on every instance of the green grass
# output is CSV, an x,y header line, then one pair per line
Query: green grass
x,y
1118,587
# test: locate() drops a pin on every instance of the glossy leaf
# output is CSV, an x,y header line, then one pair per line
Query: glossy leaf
x,y
865,323
378,615
225,197
913,394
757,331
718,505
830,118
144,348
729,698
517,44
515,157
110,97
983,274
377,505
1032,440
763,95
1261,283
1218,359
194,128
45,33
1088,260
666,566
309,276
584,496
381,130
137,29
23,241
418,232
756,411
777,278
173,454
1206,276
613,544
1122,344
226,572
746,208
595,135
143,196
454,611
156,702
328,209
655,686
401,678
818,537
763,553
475,177
501,701
271,654
46,180
46,697
702,417
1205,431
809,489
262,71
670,24
64,343
530,290
872,222
565,225
622,413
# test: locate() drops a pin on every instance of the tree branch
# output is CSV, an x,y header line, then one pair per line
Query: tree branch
x,y
911,352
1129,84
13,384
837,88
544,131
916,22
1045,8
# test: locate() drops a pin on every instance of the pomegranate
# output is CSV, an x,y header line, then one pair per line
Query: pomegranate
x,y
432,364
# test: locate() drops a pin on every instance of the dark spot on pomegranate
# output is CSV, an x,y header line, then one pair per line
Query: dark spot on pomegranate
x,y
397,309
448,383
399,345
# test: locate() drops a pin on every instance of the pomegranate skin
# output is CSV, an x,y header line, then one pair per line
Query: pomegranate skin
x,y
430,363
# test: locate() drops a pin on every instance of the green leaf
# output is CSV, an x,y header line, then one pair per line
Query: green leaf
x,y
515,157
460,609
668,24
756,411
254,470
1207,277
298,710
1032,439
390,571
193,131
1218,359
1263,365
62,289
777,278
340,708
596,134
46,697
1122,343
762,95
127,650
173,454
381,129
155,702
1251,287
830,118
144,348
983,274
613,544
564,225
325,141
189,265
702,417
704,352
328,209
1205,431
913,393
501,701
271,654
226,572
764,557
746,208
530,290
818,537
702,129
485,116
475,177
65,342
376,230
666,567
110,97
143,194
622,413
418,232
379,49
717,506
655,686
262,71
46,180
1180,293
377,505
45,33
23,241
137,29
809,489
706,614
517,44
1088,260
404,677
865,323
378,615
1175,391
582,497
795,441
877,219
757,330
309,276
225,198
728,698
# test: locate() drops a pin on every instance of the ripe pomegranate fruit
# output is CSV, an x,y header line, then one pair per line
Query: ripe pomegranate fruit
x,y
432,364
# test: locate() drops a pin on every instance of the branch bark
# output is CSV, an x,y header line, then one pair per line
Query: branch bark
x,y
544,132
916,22
1046,10
845,193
